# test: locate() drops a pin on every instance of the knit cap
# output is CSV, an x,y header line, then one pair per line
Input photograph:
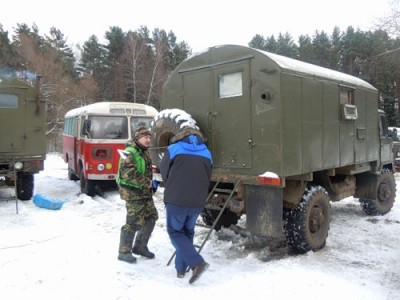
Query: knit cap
x,y
141,131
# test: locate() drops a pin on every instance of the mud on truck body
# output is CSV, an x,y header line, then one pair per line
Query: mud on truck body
x,y
294,136
22,134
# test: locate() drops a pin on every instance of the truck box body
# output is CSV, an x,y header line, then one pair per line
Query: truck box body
x,y
287,138
285,119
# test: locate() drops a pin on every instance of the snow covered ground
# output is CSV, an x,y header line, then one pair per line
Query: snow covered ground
x,y
71,253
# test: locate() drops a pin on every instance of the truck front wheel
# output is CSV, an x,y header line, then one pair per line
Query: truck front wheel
x,y
24,186
385,195
307,226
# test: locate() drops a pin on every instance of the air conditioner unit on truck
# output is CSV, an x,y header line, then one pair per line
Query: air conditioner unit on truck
x,y
22,134
295,137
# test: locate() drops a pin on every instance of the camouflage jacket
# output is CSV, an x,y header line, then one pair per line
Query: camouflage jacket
x,y
135,174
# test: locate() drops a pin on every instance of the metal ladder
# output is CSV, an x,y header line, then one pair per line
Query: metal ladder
x,y
221,211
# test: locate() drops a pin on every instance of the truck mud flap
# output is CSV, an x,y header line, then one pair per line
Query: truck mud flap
x,y
264,211
366,186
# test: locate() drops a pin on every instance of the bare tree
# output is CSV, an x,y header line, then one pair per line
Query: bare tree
x,y
159,73
134,51
58,89
391,22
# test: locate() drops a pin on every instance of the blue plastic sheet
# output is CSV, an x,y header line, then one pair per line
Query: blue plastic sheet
x,y
49,203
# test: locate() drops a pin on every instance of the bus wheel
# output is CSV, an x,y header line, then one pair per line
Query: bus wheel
x,y
87,186
71,175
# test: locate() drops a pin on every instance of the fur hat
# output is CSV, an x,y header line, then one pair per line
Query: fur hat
x,y
186,131
142,131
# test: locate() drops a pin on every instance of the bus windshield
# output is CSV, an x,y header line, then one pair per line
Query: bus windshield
x,y
114,127
137,122
108,127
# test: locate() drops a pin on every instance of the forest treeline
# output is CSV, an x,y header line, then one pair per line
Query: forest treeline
x,y
133,66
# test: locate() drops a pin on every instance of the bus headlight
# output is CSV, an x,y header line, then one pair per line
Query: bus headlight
x,y
18,165
100,167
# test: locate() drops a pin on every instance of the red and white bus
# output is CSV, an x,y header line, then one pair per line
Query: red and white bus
x,y
92,136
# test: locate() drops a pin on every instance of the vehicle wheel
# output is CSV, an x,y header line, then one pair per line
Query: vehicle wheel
x,y
227,218
87,186
307,226
166,124
385,195
72,175
24,186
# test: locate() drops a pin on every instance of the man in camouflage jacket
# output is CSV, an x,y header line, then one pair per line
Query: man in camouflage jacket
x,y
134,181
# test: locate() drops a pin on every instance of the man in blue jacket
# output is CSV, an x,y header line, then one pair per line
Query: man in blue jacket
x,y
186,171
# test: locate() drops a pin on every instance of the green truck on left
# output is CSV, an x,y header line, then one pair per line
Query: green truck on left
x,y
22,134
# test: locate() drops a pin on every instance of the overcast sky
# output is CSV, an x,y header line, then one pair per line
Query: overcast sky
x,y
200,23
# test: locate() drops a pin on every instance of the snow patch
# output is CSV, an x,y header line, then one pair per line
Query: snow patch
x,y
269,175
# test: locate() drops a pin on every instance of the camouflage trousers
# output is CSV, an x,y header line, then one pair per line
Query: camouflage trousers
x,y
138,212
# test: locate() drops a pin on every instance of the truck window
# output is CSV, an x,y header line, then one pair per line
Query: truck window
x,y
383,129
8,101
346,96
230,85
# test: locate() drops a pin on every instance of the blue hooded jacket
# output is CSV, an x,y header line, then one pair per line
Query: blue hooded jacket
x,y
186,172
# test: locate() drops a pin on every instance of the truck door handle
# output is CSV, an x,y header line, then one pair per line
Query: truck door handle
x,y
210,115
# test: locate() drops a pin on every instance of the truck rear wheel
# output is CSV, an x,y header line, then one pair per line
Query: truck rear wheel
x,y
24,186
307,226
227,218
385,195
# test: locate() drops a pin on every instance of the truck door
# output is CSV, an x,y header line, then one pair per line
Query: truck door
x,y
230,118
12,115
386,142
218,98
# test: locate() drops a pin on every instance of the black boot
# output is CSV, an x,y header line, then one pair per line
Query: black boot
x,y
125,244
143,236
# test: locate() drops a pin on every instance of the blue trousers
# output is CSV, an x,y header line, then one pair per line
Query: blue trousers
x,y
180,227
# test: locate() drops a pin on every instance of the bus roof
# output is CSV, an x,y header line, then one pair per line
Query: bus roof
x,y
113,108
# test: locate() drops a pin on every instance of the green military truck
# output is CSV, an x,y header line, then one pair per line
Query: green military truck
x,y
287,138
22,134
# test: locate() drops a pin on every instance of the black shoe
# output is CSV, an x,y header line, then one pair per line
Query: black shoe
x,y
143,252
127,257
180,274
198,270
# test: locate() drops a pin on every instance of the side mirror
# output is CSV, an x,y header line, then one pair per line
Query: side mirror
x,y
86,127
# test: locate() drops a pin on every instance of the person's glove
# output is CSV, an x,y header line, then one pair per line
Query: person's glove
x,y
154,185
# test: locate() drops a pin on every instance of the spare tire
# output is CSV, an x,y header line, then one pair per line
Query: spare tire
x,y
166,124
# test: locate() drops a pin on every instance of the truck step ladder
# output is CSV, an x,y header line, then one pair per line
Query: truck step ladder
x,y
221,211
